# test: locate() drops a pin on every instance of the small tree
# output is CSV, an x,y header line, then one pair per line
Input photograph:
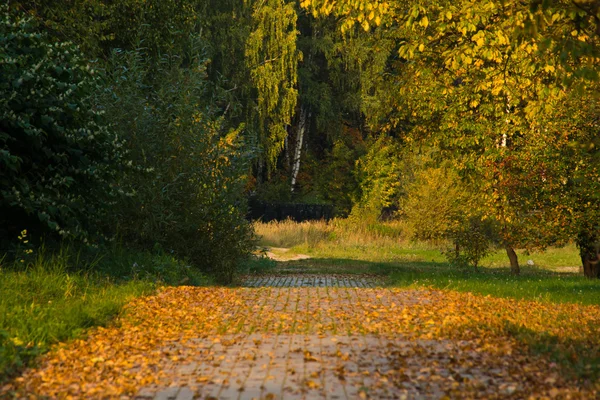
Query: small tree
x,y
439,207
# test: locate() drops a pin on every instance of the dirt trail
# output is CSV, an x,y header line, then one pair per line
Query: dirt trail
x,y
330,342
283,254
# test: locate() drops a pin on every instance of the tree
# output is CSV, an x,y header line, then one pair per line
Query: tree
x,y
485,72
192,169
98,26
272,59
61,163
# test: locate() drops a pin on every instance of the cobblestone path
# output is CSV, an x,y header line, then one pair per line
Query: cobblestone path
x,y
312,280
333,337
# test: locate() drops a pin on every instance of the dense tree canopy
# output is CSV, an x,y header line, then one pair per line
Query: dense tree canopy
x,y
487,83
354,103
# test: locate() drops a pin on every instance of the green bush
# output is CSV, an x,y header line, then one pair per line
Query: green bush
x,y
471,239
189,197
434,204
439,207
58,159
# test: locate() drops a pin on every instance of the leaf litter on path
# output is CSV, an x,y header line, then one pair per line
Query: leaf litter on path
x,y
321,342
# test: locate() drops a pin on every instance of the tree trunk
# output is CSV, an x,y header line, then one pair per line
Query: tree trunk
x,y
302,127
514,260
589,250
591,267
286,149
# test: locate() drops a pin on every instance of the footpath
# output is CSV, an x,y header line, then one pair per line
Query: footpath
x,y
298,337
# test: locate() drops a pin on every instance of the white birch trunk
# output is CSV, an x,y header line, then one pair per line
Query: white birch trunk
x,y
304,116
286,148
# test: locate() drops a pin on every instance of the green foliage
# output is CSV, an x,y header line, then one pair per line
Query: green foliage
x,y
380,173
272,59
59,160
435,203
472,239
336,176
260,264
98,26
276,190
439,207
489,83
189,195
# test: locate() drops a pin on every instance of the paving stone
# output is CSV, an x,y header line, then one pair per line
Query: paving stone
x,y
188,369
167,394
311,280
319,355
185,393
145,393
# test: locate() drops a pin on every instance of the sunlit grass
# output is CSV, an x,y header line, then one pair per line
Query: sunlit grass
x,y
348,248
313,234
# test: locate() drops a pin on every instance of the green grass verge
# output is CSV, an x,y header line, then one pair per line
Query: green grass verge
x,y
554,276
50,298
532,284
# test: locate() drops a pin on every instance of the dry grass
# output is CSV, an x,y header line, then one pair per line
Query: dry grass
x,y
338,231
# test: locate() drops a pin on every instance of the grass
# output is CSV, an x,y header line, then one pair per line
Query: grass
x,y
344,247
50,298
316,233
257,265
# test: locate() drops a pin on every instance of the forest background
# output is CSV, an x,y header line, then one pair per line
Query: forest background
x,y
153,121
134,132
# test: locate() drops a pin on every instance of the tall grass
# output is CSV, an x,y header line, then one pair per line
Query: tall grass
x,y
387,241
313,234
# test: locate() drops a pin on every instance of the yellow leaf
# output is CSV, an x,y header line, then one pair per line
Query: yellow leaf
x,y
425,22
312,384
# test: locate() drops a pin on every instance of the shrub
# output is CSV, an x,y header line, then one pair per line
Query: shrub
x,y
439,207
434,203
471,240
190,194
58,159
